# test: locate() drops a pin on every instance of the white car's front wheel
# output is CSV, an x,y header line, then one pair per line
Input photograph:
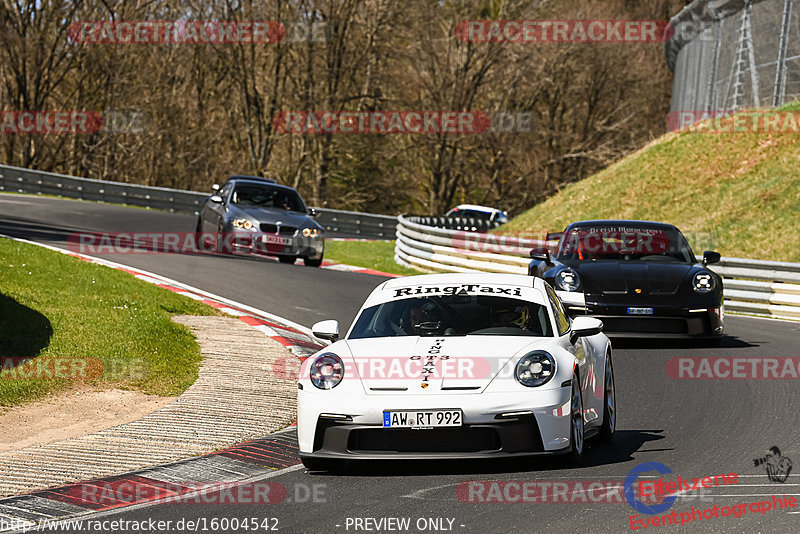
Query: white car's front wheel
x,y
576,432
609,404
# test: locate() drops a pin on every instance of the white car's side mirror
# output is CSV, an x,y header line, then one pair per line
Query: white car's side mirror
x,y
583,326
326,330
215,187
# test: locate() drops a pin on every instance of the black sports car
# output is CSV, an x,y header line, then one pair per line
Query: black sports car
x,y
264,218
641,278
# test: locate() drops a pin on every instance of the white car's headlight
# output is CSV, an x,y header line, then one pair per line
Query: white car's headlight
x,y
567,280
535,369
703,282
327,371
311,232
243,223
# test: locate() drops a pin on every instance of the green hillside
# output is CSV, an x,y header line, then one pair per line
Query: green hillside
x,y
742,188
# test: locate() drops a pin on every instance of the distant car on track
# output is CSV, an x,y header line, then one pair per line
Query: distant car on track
x,y
471,211
640,277
456,366
266,218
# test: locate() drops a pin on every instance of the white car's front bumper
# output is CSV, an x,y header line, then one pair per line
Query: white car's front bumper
x,y
333,425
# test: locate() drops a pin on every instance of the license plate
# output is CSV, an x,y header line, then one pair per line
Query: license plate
x,y
422,419
640,311
276,240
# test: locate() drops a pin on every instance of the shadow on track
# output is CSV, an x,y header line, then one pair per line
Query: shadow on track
x,y
727,342
32,230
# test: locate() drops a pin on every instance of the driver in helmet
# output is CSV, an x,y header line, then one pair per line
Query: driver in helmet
x,y
520,317
423,319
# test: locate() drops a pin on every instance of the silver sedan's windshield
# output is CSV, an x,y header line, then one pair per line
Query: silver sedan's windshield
x,y
267,197
453,315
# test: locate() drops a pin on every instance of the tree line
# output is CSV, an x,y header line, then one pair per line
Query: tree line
x,y
202,110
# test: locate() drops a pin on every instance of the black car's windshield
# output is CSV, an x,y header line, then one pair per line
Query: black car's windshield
x,y
591,243
453,315
267,197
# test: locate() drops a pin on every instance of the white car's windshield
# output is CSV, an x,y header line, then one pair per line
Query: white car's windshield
x,y
453,315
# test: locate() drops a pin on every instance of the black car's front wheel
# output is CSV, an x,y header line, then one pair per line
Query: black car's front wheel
x,y
312,263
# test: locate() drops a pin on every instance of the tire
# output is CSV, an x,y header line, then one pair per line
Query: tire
x,y
287,259
609,426
577,441
312,263
320,464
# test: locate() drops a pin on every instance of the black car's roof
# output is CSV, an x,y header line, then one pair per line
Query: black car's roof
x,y
623,222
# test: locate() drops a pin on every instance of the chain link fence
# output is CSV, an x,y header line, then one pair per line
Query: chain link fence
x,y
729,55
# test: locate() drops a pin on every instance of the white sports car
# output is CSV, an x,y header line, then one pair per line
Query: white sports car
x,y
456,366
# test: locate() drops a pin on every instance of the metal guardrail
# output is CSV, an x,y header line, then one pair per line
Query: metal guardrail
x,y
765,288
337,223
341,223
468,224
18,180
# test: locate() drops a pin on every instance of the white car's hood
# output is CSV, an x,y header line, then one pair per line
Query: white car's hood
x,y
463,364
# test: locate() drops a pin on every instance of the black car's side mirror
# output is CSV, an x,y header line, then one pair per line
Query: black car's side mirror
x,y
709,256
539,255
312,212
216,198
215,187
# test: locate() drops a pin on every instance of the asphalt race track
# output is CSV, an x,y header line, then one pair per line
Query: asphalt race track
x,y
697,428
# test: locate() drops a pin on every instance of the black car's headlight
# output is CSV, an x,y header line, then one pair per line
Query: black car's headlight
x,y
535,369
327,371
567,280
244,224
311,232
703,282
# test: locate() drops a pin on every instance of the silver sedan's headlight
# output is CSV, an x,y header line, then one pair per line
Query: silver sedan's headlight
x,y
567,280
244,224
311,232
535,369
703,282
327,371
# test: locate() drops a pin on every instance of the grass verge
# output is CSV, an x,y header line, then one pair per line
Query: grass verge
x,y
741,189
378,255
58,309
